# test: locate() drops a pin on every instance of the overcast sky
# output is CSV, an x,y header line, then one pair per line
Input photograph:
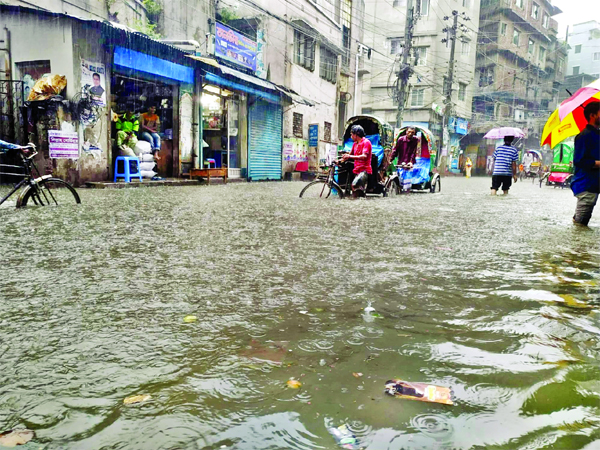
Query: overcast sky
x,y
575,11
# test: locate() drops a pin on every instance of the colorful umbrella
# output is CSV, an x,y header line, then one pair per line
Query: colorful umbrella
x,y
499,133
557,130
579,98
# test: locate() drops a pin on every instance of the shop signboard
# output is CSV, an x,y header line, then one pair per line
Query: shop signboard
x,y
235,47
461,125
313,135
63,144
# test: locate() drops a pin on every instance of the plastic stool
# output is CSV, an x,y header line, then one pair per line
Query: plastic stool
x,y
209,161
127,167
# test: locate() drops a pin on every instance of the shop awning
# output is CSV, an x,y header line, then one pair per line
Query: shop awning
x,y
258,82
131,59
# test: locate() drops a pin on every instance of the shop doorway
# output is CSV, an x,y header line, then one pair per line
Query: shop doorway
x,y
129,91
223,132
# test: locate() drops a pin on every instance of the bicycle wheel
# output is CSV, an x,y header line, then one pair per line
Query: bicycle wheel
x,y
322,189
392,187
51,191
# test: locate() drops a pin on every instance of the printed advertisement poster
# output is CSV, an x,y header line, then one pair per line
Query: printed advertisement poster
x,y
63,144
186,108
94,75
295,150
313,135
235,47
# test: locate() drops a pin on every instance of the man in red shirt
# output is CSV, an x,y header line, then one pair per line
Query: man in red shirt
x,y
406,149
361,155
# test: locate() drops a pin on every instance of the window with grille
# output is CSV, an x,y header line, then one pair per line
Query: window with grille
x,y
575,70
424,8
328,66
597,56
346,16
327,131
465,47
297,125
395,46
531,47
578,48
503,28
304,50
519,3
535,10
542,55
417,97
462,91
516,36
545,20
421,56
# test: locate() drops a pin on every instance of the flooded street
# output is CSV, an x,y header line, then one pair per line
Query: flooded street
x,y
497,298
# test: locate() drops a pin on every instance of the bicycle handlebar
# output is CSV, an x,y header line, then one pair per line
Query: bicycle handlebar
x,y
26,154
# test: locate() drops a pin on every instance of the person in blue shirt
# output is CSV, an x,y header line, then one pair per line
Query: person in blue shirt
x,y
505,166
586,160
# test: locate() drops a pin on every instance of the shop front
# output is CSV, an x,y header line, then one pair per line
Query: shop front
x,y
242,125
160,94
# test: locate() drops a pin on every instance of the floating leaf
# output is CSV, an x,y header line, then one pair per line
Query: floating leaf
x,y
136,399
318,310
564,362
293,384
190,319
573,302
13,438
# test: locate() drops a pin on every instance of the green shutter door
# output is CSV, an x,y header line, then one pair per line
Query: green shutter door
x,y
265,141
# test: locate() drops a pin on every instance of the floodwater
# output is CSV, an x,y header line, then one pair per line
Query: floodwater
x,y
497,298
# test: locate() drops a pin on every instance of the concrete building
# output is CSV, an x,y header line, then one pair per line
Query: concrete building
x,y
584,52
520,66
309,47
384,32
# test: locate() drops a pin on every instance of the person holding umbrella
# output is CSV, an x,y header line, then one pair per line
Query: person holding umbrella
x,y
586,180
505,158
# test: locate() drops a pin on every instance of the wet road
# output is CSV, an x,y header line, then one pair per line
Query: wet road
x,y
497,298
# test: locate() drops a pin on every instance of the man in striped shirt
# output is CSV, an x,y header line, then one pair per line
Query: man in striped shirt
x,y
505,166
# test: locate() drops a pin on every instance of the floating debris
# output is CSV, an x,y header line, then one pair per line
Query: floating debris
x,y
344,437
357,374
137,399
190,319
293,384
13,438
422,392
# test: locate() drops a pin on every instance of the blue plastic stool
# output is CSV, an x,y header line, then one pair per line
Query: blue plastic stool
x,y
209,161
127,167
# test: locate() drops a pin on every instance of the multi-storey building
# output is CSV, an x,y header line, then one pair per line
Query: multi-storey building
x,y
520,66
310,48
584,52
384,32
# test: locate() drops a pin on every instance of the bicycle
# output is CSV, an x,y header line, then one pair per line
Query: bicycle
x,y
329,183
40,190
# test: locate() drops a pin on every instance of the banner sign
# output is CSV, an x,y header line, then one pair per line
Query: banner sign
x,y
235,47
313,135
462,125
63,144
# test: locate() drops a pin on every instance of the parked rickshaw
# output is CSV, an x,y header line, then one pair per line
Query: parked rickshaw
x,y
336,182
532,162
421,176
561,170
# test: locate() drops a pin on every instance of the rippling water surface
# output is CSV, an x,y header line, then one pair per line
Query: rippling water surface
x,y
497,298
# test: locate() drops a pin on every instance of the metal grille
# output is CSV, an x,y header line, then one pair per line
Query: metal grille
x,y
12,99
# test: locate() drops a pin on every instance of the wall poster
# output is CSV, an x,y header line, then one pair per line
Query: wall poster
x,y
94,75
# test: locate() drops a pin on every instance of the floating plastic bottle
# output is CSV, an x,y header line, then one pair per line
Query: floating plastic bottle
x,y
344,437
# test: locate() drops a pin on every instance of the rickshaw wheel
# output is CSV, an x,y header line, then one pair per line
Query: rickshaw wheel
x,y
392,187
322,189
436,185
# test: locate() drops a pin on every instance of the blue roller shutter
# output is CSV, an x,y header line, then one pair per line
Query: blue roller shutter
x,y
265,140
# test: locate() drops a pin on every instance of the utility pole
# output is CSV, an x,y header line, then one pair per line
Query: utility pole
x,y
451,35
404,71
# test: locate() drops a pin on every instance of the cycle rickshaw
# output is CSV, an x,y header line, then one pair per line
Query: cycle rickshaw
x,y
532,163
337,181
561,169
421,177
